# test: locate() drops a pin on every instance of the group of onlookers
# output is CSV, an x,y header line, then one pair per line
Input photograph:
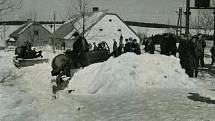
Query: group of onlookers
x,y
190,50
131,45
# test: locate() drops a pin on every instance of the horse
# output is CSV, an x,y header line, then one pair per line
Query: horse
x,y
61,65
167,42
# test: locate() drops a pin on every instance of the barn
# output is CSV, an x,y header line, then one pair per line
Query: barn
x,y
99,26
31,31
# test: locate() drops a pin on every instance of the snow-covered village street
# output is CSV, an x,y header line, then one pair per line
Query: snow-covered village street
x,y
107,60
151,88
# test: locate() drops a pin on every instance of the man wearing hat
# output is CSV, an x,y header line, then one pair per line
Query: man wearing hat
x,y
80,46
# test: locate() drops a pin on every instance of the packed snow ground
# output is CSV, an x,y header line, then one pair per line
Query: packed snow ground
x,y
130,87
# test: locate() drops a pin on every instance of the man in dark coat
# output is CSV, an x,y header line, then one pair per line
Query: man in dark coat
x,y
95,46
115,53
146,45
127,46
151,46
80,46
136,47
188,57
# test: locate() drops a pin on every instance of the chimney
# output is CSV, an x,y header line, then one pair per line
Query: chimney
x,y
95,9
29,20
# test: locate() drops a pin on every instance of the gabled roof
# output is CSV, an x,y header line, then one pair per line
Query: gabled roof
x,y
74,24
23,28
124,23
68,28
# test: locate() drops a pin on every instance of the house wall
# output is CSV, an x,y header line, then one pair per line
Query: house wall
x,y
108,28
39,39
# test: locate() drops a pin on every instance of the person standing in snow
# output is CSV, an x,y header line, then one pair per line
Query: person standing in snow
x,y
95,46
151,46
201,44
136,47
120,49
80,46
127,46
146,45
213,54
115,53
188,57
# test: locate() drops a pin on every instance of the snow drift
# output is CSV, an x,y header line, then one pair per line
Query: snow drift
x,y
130,73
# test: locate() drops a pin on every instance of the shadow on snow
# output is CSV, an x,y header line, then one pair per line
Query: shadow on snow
x,y
199,98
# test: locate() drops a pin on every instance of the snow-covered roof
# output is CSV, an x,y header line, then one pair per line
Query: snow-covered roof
x,y
11,40
50,27
89,22
74,24
23,28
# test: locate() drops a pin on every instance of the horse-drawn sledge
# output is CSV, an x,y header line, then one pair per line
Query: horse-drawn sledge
x,y
20,62
26,57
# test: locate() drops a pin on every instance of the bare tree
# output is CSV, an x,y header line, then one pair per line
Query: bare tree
x,y
7,6
78,8
203,21
142,37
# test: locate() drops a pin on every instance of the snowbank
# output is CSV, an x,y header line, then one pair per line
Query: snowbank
x,y
130,73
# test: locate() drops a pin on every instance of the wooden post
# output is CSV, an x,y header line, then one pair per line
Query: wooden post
x,y
53,46
214,28
187,17
5,44
179,23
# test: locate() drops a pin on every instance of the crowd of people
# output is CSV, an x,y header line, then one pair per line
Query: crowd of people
x,y
191,49
130,45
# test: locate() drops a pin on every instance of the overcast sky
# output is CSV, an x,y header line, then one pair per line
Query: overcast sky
x,y
157,11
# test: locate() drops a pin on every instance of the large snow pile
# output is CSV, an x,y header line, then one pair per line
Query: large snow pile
x,y
130,73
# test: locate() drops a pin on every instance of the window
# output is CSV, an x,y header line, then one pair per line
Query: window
x,y
100,29
36,33
119,30
110,20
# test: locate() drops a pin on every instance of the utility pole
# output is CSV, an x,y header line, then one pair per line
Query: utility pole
x,y
187,13
179,24
214,27
5,44
54,35
34,24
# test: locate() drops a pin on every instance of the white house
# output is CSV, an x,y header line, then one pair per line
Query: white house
x,y
99,26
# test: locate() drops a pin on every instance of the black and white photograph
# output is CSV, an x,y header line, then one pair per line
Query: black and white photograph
x,y
107,60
